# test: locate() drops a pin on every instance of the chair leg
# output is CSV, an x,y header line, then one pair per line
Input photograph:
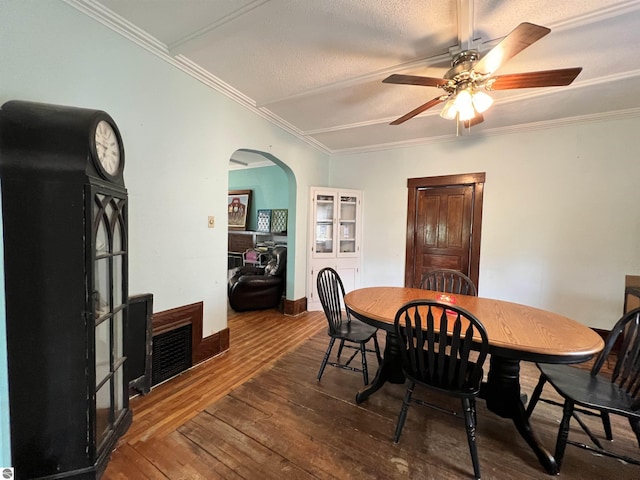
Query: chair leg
x,y
326,357
587,430
403,411
468,406
606,424
340,348
375,343
365,372
563,432
635,426
535,396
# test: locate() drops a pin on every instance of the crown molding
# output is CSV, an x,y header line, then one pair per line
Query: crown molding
x,y
521,128
108,18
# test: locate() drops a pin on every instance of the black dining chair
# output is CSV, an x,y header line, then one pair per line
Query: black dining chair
x,y
352,333
449,281
595,393
436,342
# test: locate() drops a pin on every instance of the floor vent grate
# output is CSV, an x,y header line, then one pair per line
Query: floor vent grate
x,y
171,354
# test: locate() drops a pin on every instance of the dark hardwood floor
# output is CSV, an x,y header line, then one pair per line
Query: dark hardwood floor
x,y
258,412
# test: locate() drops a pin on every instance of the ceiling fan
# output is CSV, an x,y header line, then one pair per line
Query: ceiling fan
x,y
469,75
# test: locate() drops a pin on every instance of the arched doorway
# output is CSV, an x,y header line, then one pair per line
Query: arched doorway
x,y
274,186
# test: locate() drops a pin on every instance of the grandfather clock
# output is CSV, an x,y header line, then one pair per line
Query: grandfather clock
x,y
64,212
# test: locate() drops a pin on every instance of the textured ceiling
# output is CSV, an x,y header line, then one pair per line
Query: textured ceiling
x,y
316,67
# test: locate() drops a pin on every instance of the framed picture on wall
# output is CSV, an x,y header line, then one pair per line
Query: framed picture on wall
x,y
239,206
264,221
279,220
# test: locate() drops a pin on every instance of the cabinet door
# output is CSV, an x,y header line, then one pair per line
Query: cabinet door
x,y
109,309
324,220
349,271
348,224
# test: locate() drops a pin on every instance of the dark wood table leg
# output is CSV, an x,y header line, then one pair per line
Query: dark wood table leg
x,y
502,394
390,370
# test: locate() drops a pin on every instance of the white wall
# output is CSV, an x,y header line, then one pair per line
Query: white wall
x,y
178,136
560,225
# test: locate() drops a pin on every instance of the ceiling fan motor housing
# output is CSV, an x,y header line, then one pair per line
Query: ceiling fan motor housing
x,y
461,73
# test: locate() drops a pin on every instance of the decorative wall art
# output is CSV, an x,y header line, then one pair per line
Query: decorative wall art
x,y
239,206
279,220
264,221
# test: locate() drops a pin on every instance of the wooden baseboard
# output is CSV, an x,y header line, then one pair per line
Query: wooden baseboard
x,y
211,346
293,308
201,348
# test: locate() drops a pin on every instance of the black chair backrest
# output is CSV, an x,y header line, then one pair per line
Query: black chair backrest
x,y
449,281
438,340
331,293
626,371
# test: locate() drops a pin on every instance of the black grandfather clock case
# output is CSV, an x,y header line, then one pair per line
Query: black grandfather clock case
x,y
65,246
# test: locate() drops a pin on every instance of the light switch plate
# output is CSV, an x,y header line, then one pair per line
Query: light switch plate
x,y
211,222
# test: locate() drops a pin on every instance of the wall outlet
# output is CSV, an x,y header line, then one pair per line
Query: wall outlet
x,y
211,222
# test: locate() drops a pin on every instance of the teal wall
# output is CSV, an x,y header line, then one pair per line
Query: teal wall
x,y
5,445
269,186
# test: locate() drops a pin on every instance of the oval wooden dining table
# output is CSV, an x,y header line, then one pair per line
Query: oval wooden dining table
x,y
516,332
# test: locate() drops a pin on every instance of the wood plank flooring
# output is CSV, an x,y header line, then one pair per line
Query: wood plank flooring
x,y
257,412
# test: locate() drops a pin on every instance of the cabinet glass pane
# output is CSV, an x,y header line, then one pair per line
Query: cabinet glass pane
x,y
324,208
118,285
347,208
118,378
118,331
347,233
103,411
347,246
117,238
102,240
102,287
103,351
324,237
325,214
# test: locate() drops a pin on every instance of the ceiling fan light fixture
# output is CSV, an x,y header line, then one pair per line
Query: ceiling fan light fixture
x,y
481,101
467,114
449,111
464,105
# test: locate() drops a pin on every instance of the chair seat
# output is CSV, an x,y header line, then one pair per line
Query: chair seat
x,y
596,392
354,331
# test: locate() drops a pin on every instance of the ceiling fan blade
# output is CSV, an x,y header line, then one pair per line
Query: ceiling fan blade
x,y
545,78
416,111
474,121
415,80
520,38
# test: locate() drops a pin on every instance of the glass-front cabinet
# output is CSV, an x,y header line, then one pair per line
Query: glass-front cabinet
x,y
335,230
64,219
336,227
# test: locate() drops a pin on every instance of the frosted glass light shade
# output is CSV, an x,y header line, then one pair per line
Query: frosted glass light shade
x,y
449,111
481,101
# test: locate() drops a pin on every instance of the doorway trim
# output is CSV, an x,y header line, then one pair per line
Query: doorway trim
x,y
476,180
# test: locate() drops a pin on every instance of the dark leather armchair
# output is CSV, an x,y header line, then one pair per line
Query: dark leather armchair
x,y
258,288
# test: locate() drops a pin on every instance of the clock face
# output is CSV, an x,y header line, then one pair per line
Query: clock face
x,y
107,147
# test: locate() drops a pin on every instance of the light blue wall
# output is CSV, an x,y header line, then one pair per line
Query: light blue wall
x,y
178,135
5,445
268,184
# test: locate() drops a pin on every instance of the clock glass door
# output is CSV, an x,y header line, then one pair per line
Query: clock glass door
x,y
109,307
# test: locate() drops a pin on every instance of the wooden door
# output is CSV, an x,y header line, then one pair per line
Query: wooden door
x,y
443,225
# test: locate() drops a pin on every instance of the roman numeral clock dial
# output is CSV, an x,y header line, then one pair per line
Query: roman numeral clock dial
x,y
107,146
